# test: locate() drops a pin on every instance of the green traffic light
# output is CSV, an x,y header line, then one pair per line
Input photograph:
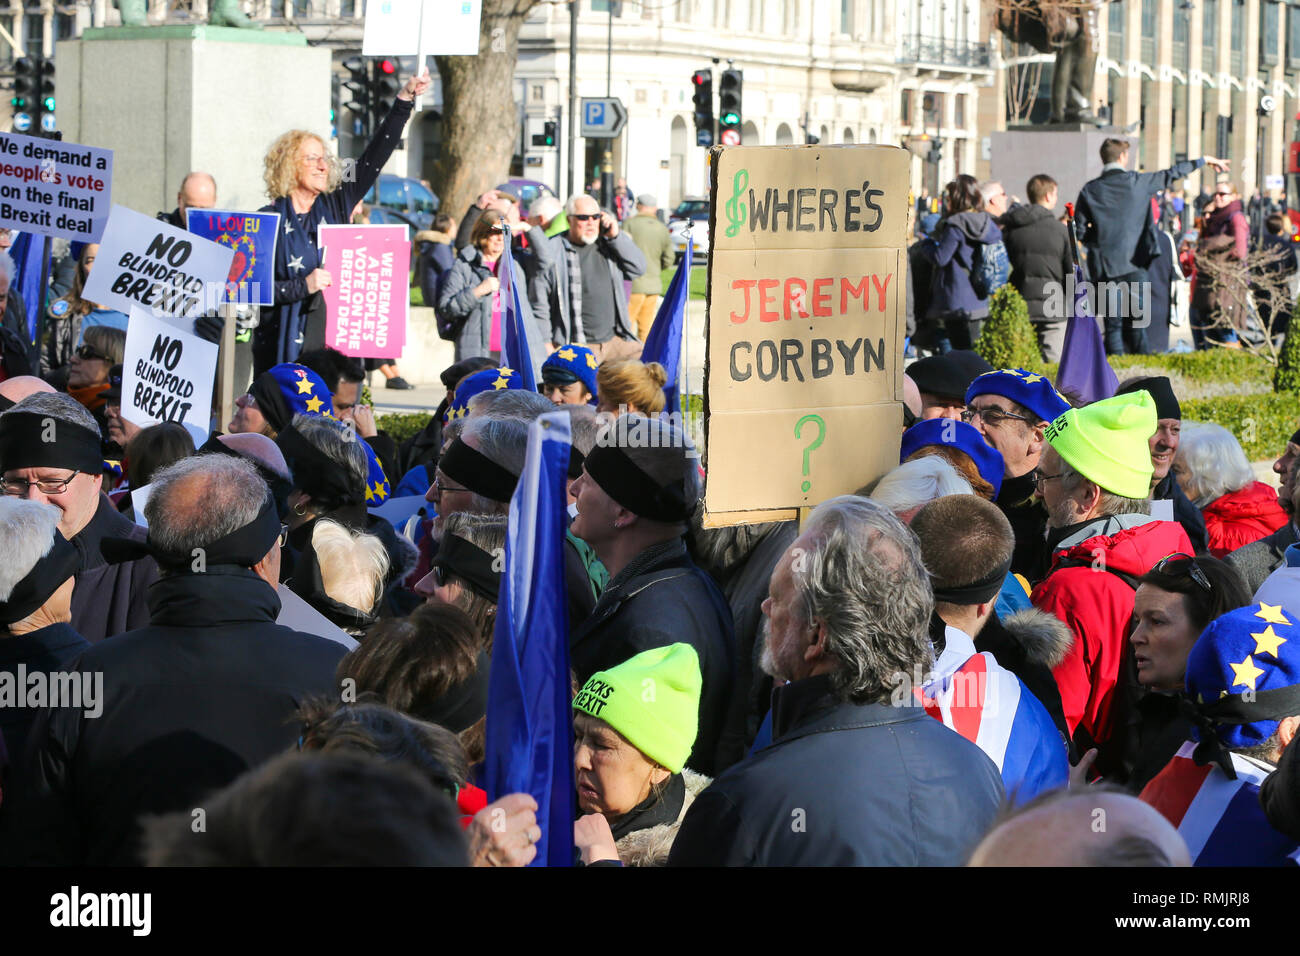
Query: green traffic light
x,y
48,104
729,119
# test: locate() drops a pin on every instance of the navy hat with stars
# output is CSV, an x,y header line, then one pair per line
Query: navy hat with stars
x,y
483,381
571,363
1033,391
287,390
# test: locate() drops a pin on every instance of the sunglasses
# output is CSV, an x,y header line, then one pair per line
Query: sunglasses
x,y
87,352
1193,569
585,216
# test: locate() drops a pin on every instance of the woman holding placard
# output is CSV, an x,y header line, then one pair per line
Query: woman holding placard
x,y
307,188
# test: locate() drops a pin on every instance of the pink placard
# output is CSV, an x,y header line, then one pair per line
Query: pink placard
x,y
366,305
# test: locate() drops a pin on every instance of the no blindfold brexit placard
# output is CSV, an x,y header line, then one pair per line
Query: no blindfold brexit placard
x,y
804,380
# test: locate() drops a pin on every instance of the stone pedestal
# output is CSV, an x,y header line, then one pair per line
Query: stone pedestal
x,y
1069,153
171,99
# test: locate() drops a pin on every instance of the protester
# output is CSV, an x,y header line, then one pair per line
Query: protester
x,y
631,386
276,396
629,756
346,378
36,582
1216,477
13,390
1094,479
470,296
265,456
962,447
1164,449
68,317
466,571
956,312
513,404
1256,561
1060,829
911,486
966,544
1012,409
1221,293
307,188
155,448
638,489
943,380
335,809
67,472
548,212
849,779
117,431
656,244
419,452
569,376
1274,277
1113,214
437,254
100,350
478,471
580,297
233,678
1039,248
429,665
1175,601
342,575
198,191
1242,675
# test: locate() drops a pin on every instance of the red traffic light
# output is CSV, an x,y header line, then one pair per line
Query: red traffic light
x,y
387,66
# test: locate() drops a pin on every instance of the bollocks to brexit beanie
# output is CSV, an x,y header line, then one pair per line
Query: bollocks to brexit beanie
x,y
1106,442
652,699
1034,392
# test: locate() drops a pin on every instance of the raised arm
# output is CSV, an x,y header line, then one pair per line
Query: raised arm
x,y
384,141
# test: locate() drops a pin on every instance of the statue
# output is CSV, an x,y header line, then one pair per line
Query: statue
x,y
221,13
1068,27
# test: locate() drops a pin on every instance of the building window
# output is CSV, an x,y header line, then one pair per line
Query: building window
x,y
301,9
1268,34
846,16
34,34
539,93
1180,25
6,51
1292,37
1148,19
65,26
1209,26
905,108
1115,28
348,8
1238,25
959,111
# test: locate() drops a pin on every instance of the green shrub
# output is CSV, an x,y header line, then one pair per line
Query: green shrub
x,y
1287,376
417,296
400,426
1262,423
1007,339
1206,374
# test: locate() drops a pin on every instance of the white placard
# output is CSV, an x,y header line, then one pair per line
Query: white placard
x,y
140,498
1162,510
54,188
167,376
297,614
148,264
393,28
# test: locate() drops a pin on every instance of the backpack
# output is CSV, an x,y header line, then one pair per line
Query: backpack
x,y
990,268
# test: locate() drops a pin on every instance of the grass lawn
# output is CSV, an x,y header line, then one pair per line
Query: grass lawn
x,y
699,279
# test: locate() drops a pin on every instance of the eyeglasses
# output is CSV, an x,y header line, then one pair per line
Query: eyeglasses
x,y
442,489
314,161
19,487
993,416
1039,479
1193,569
584,216
88,352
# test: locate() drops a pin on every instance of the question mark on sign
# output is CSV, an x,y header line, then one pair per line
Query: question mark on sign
x,y
817,443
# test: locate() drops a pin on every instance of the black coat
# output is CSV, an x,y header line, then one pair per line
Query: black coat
x,y
1039,249
1185,513
844,784
1028,520
49,649
1114,217
662,598
202,694
109,599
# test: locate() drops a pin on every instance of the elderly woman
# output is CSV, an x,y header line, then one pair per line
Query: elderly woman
x,y
332,473
470,299
101,348
307,188
36,580
1174,603
276,396
1215,475
68,319
629,752
466,570
631,386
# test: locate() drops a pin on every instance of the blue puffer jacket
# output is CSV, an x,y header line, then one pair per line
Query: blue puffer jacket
x,y
845,785
953,254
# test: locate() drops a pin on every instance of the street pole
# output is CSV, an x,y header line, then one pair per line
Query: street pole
x,y
607,161
573,92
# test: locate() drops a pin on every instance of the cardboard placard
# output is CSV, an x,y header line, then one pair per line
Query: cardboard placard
x,y
366,305
803,384
167,376
54,188
251,237
395,28
149,265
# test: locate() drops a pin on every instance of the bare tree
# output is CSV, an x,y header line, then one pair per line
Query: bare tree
x,y
479,118
1243,296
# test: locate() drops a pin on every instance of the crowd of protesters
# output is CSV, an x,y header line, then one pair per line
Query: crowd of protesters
x,y
233,655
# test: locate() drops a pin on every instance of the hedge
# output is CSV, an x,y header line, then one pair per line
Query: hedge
x,y
1262,423
400,426
1007,339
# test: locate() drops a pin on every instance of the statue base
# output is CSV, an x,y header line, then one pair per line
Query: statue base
x,y
1068,152
171,99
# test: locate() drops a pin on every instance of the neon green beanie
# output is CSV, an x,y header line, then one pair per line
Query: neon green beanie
x,y
652,699
1107,442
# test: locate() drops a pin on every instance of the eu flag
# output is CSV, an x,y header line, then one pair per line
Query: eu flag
x,y
664,343
516,316
1084,371
529,737
27,254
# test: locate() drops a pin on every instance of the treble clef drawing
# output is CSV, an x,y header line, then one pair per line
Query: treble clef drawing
x,y
735,209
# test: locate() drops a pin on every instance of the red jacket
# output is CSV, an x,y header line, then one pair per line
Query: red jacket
x,y
1098,607
1241,517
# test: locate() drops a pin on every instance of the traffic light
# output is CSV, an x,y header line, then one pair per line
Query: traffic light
x,y
26,82
547,136
358,84
811,140
936,152
384,90
729,99
45,95
702,80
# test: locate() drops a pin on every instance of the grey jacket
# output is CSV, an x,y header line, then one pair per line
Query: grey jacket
x,y
549,289
1257,560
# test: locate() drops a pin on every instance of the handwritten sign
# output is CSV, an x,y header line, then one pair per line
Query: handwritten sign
x,y
54,188
393,27
167,376
147,264
805,325
251,237
366,305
